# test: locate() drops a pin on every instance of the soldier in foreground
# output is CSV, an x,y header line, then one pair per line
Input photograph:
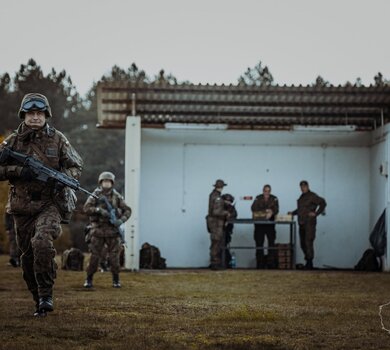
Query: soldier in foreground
x,y
216,219
268,205
310,205
38,207
107,213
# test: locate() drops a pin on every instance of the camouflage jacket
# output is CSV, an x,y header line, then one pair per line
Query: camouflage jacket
x,y
101,225
55,151
260,204
309,202
217,206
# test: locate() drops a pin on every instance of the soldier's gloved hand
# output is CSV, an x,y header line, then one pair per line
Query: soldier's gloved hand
x,y
102,212
58,186
118,222
27,174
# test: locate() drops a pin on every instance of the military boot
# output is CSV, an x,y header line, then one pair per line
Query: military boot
x,y
309,264
46,303
115,280
88,282
38,312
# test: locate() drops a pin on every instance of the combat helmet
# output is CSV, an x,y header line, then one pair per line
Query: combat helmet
x,y
34,102
228,197
106,175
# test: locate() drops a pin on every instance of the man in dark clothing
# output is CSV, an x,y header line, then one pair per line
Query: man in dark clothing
x,y
265,207
216,219
310,205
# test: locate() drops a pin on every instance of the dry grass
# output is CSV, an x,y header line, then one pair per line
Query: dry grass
x,y
238,309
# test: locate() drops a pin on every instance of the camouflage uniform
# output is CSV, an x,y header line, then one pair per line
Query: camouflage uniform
x,y
307,203
262,230
14,251
103,232
32,202
216,219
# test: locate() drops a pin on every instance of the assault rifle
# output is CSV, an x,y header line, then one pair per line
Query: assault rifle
x,y
113,218
42,172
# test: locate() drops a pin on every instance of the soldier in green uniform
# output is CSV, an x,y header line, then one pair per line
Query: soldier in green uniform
x,y
310,205
105,229
216,219
34,204
267,204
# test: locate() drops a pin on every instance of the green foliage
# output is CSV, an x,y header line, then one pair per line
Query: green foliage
x,y
257,76
321,82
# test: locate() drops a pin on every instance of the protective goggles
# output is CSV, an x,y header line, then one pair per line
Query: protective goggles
x,y
34,104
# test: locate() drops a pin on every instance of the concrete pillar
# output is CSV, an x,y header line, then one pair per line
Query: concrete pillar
x,y
132,189
387,189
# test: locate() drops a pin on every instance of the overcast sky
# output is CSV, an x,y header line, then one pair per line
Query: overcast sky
x,y
206,41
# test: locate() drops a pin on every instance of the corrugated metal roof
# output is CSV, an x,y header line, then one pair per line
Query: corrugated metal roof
x,y
279,106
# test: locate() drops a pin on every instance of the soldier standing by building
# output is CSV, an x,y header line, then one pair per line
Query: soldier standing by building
x,y
105,228
35,205
310,205
228,230
268,206
216,219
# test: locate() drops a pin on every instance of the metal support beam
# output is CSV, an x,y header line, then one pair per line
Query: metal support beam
x,y
132,186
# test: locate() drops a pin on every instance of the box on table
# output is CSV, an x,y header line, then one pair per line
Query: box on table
x,y
284,218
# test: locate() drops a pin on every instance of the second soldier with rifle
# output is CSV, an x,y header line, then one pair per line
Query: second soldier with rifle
x,y
107,211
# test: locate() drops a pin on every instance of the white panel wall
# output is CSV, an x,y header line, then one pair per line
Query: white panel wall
x,y
178,169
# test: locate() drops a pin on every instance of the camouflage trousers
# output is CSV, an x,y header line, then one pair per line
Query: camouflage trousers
x,y
97,247
217,242
307,234
14,252
35,235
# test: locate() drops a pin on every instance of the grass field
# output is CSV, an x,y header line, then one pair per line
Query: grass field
x,y
200,309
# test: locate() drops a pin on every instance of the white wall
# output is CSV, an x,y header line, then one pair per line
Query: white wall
x,y
178,169
379,199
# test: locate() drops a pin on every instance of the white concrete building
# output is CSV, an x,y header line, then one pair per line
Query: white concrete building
x,y
180,139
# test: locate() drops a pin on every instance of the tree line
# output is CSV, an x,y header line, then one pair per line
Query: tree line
x,y
76,116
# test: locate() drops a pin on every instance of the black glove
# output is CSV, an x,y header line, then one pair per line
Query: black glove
x,y
27,174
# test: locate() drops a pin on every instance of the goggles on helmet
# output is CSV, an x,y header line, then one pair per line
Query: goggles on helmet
x,y
34,104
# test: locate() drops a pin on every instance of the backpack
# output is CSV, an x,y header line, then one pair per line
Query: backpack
x,y
378,235
150,257
368,262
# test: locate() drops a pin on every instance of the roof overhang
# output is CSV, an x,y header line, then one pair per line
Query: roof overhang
x,y
242,107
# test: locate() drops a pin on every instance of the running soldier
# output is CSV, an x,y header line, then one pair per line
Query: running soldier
x,y
107,214
36,205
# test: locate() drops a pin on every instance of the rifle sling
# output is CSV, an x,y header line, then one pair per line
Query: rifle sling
x,y
40,153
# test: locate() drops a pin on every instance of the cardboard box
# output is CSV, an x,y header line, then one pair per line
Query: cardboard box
x,y
259,215
284,218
